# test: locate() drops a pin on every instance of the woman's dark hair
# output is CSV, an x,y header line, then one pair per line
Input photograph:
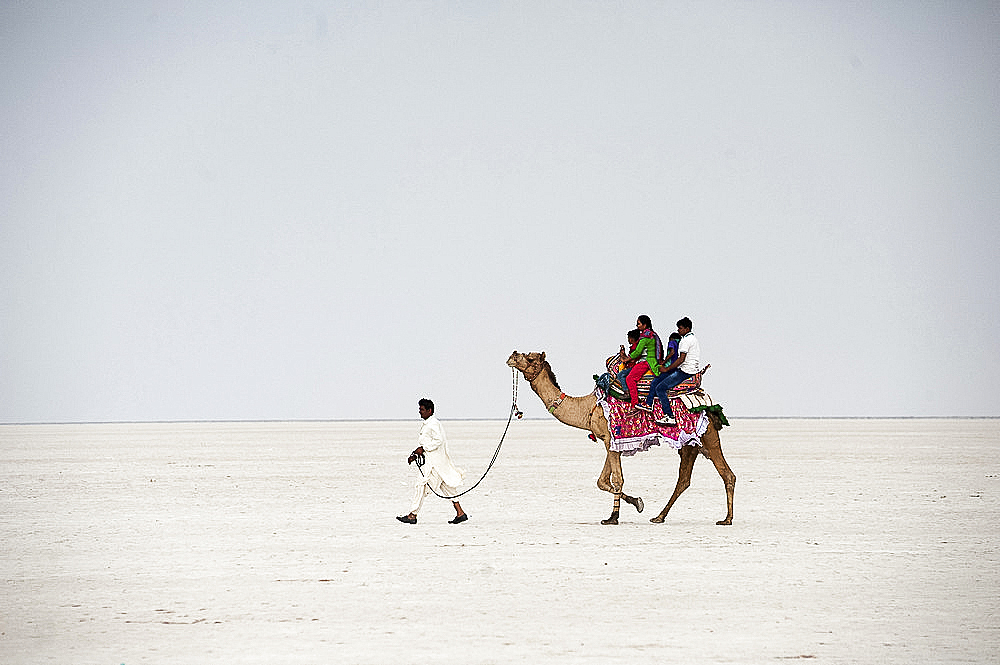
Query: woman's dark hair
x,y
645,321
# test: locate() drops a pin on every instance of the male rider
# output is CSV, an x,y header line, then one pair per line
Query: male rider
x,y
686,365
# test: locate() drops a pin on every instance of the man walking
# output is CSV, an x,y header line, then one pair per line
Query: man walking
x,y
438,472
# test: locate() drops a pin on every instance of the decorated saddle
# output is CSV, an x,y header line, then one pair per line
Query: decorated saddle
x,y
634,431
615,364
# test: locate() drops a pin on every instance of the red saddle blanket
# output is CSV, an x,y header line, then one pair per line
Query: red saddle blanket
x,y
615,365
634,431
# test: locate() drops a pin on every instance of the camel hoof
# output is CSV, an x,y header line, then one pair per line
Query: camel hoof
x,y
728,522
656,520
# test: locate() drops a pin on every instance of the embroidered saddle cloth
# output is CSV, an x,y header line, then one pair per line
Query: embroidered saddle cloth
x,y
636,431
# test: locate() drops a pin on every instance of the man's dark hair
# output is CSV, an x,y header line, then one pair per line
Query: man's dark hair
x,y
684,323
645,321
427,404
634,334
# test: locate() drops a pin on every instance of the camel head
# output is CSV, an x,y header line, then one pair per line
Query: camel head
x,y
529,364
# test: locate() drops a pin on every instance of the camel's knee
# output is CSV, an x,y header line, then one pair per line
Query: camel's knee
x,y
604,480
609,487
610,482
616,484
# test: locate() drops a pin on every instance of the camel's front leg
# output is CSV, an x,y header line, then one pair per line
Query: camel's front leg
x,y
688,456
612,480
615,482
607,480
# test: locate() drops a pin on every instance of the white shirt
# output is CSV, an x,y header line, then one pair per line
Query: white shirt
x,y
692,361
438,466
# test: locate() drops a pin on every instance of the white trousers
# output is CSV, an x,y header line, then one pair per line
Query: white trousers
x,y
423,488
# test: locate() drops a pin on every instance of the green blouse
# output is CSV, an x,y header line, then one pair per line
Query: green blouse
x,y
647,347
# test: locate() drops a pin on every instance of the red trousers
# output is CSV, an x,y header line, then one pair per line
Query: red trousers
x,y
632,380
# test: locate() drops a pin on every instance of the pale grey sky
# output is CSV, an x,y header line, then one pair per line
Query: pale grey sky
x,y
328,210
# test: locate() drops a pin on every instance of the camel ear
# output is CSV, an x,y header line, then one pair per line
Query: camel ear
x,y
543,355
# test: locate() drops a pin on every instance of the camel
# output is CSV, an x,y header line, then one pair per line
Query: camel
x,y
585,413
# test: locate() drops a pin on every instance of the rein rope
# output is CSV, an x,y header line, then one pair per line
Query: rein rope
x,y
514,411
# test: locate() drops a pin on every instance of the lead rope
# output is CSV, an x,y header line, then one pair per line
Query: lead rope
x,y
514,411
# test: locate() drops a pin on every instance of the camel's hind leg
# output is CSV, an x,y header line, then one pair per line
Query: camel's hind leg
x,y
688,456
712,447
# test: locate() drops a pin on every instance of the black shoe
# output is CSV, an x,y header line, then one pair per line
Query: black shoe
x,y
642,406
406,519
458,519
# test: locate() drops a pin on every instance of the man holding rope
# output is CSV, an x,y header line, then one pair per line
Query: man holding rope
x,y
438,473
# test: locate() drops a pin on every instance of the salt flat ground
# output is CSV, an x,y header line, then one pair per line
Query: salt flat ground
x,y
854,541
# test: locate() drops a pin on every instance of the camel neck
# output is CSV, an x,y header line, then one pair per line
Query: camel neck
x,y
544,388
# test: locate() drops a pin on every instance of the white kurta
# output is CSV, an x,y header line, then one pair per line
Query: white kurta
x,y
439,473
438,466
